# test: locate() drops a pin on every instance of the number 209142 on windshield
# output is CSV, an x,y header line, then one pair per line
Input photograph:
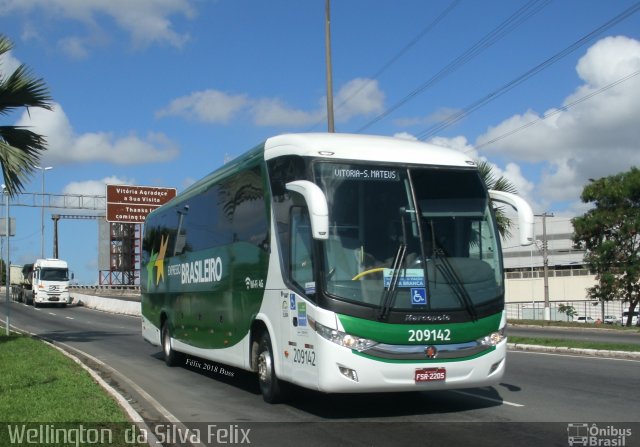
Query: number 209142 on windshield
x,y
430,374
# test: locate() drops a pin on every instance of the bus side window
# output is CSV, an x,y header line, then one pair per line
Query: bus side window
x,y
301,249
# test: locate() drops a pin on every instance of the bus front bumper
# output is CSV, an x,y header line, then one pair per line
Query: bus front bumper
x,y
345,371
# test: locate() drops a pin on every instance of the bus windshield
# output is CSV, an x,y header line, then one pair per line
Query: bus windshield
x,y
409,238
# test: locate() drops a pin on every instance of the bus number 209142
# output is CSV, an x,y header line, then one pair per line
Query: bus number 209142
x,y
304,357
429,335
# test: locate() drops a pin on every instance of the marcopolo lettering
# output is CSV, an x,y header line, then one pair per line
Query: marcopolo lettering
x,y
201,271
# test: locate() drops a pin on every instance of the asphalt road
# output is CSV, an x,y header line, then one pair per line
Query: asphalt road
x,y
538,399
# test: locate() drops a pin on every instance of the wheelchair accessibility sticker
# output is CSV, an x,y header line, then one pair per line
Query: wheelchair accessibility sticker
x,y
418,296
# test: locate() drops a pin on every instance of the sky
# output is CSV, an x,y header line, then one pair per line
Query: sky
x,y
162,92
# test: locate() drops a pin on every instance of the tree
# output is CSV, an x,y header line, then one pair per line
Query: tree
x,y
609,233
499,184
20,148
570,311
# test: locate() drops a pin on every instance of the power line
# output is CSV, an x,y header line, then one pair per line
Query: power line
x,y
454,118
395,58
558,110
511,23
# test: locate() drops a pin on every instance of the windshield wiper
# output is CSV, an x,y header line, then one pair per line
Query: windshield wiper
x,y
388,296
451,276
449,273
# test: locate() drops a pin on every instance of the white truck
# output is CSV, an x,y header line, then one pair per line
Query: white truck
x,y
49,283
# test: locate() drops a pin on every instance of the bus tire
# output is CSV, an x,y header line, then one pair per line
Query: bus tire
x,y
171,357
270,385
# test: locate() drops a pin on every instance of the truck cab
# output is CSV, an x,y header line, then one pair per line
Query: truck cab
x,y
50,282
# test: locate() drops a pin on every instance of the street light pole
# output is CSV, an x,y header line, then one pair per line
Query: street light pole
x,y
8,273
42,210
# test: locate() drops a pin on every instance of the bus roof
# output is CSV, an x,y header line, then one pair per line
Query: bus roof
x,y
363,147
337,146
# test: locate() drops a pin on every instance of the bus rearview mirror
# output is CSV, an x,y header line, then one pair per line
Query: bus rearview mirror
x,y
317,205
525,213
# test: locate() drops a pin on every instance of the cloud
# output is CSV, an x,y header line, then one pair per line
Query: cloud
x,y
146,21
274,112
95,187
405,136
208,106
458,143
591,139
65,146
358,97
8,64
74,47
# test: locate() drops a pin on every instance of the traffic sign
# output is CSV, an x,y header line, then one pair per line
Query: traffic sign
x,y
132,204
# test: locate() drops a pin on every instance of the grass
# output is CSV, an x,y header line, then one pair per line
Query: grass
x,y
571,324
578,344
40,385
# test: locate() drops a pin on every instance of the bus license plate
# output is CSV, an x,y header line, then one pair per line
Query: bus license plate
x,y
430,374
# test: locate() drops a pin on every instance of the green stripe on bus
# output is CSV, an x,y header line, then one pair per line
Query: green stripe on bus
x,y
420,334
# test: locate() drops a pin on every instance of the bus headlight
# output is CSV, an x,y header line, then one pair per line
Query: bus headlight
x,y
343,339
493,339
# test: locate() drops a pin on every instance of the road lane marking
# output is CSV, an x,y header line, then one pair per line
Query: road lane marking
x,y
69,318
490,399
51,313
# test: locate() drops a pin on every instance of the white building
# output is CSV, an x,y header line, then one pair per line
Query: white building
x,y
568,277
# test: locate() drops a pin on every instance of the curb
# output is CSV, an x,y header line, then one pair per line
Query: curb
x,y
624,355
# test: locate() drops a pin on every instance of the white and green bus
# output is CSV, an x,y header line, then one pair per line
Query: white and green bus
x,y
340,263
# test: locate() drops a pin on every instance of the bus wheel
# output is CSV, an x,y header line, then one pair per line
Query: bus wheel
x,y
270,386
171,357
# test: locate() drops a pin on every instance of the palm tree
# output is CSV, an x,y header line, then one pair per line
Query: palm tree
x,y
20,148
499,184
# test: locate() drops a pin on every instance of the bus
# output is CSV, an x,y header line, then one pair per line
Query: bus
x,y
340,263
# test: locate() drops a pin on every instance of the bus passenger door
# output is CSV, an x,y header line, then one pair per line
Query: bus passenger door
x,y
302,354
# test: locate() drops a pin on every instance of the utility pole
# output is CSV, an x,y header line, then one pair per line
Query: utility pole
x,y
545,263
327,28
